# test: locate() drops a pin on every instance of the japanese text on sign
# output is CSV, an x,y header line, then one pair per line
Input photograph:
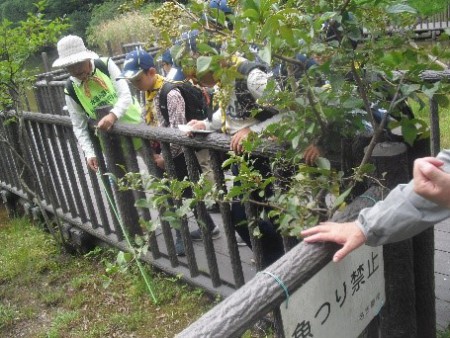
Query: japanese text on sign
x,y
340,300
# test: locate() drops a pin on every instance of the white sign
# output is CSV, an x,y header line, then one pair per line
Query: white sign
x,y
340,300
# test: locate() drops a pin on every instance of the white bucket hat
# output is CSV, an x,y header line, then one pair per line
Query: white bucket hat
x,y
71,50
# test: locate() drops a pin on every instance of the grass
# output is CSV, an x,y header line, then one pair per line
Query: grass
x,y
444,121
47,293
443,334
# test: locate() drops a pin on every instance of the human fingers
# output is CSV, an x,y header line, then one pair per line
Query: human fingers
x,y
104,124
433,160
347,234
432,183
234,142
426,176
192,122
346,249
310,155
199,125
314,230
93,164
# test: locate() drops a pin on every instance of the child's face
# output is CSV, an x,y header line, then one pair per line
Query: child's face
x,y
145,80
166,66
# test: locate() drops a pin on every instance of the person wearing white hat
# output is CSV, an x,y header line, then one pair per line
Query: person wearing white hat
x,y
93,83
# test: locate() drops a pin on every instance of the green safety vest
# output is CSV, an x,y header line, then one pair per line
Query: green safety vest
x,y
102,97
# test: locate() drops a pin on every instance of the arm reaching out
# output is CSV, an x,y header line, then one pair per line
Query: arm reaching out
x,y
347,234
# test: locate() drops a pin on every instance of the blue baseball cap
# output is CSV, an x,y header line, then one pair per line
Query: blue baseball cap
x,y
167,57
221,5
175,74
135,62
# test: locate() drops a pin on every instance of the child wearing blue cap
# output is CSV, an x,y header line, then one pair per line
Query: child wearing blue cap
x,y
139,69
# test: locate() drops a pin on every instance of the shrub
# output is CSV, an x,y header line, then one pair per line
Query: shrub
x,y
125,28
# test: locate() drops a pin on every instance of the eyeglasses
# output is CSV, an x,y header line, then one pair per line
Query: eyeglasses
x,y
78,69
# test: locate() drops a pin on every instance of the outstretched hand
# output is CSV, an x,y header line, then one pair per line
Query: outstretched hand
x,y
431,182
347,234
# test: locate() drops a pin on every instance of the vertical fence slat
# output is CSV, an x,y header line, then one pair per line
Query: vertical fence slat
x,y
435,134
36,159
123,200
82,178
184,229
47,181
204,218
228,225
99,200
71,182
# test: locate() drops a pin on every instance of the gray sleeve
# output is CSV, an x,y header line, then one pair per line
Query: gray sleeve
x,y
403,214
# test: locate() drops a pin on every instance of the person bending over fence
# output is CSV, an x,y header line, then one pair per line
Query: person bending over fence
x,y
93,83
167,104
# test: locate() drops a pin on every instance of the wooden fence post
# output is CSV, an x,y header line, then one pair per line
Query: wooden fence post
x,y
398,316
45,62
110,49
114,156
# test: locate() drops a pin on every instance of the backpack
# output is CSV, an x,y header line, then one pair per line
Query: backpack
x,y
99,64
197,101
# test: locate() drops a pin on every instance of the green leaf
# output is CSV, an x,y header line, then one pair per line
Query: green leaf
x,y
323,163
265,53
367,168
124,257
400,8
203,64
341,198
295,141
287,34
142,203
409,132
251,14
270,26
442,100
408,89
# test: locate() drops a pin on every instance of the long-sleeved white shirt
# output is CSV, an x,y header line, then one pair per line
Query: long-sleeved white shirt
x,y
79,117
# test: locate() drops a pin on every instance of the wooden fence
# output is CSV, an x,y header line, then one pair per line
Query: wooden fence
x,y
42,168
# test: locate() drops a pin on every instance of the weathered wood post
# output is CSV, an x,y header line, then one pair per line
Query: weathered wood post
x,y
423,245
45,62
114,156
110,49
398,316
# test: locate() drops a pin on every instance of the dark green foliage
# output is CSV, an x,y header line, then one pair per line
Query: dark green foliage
x,y
16,10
